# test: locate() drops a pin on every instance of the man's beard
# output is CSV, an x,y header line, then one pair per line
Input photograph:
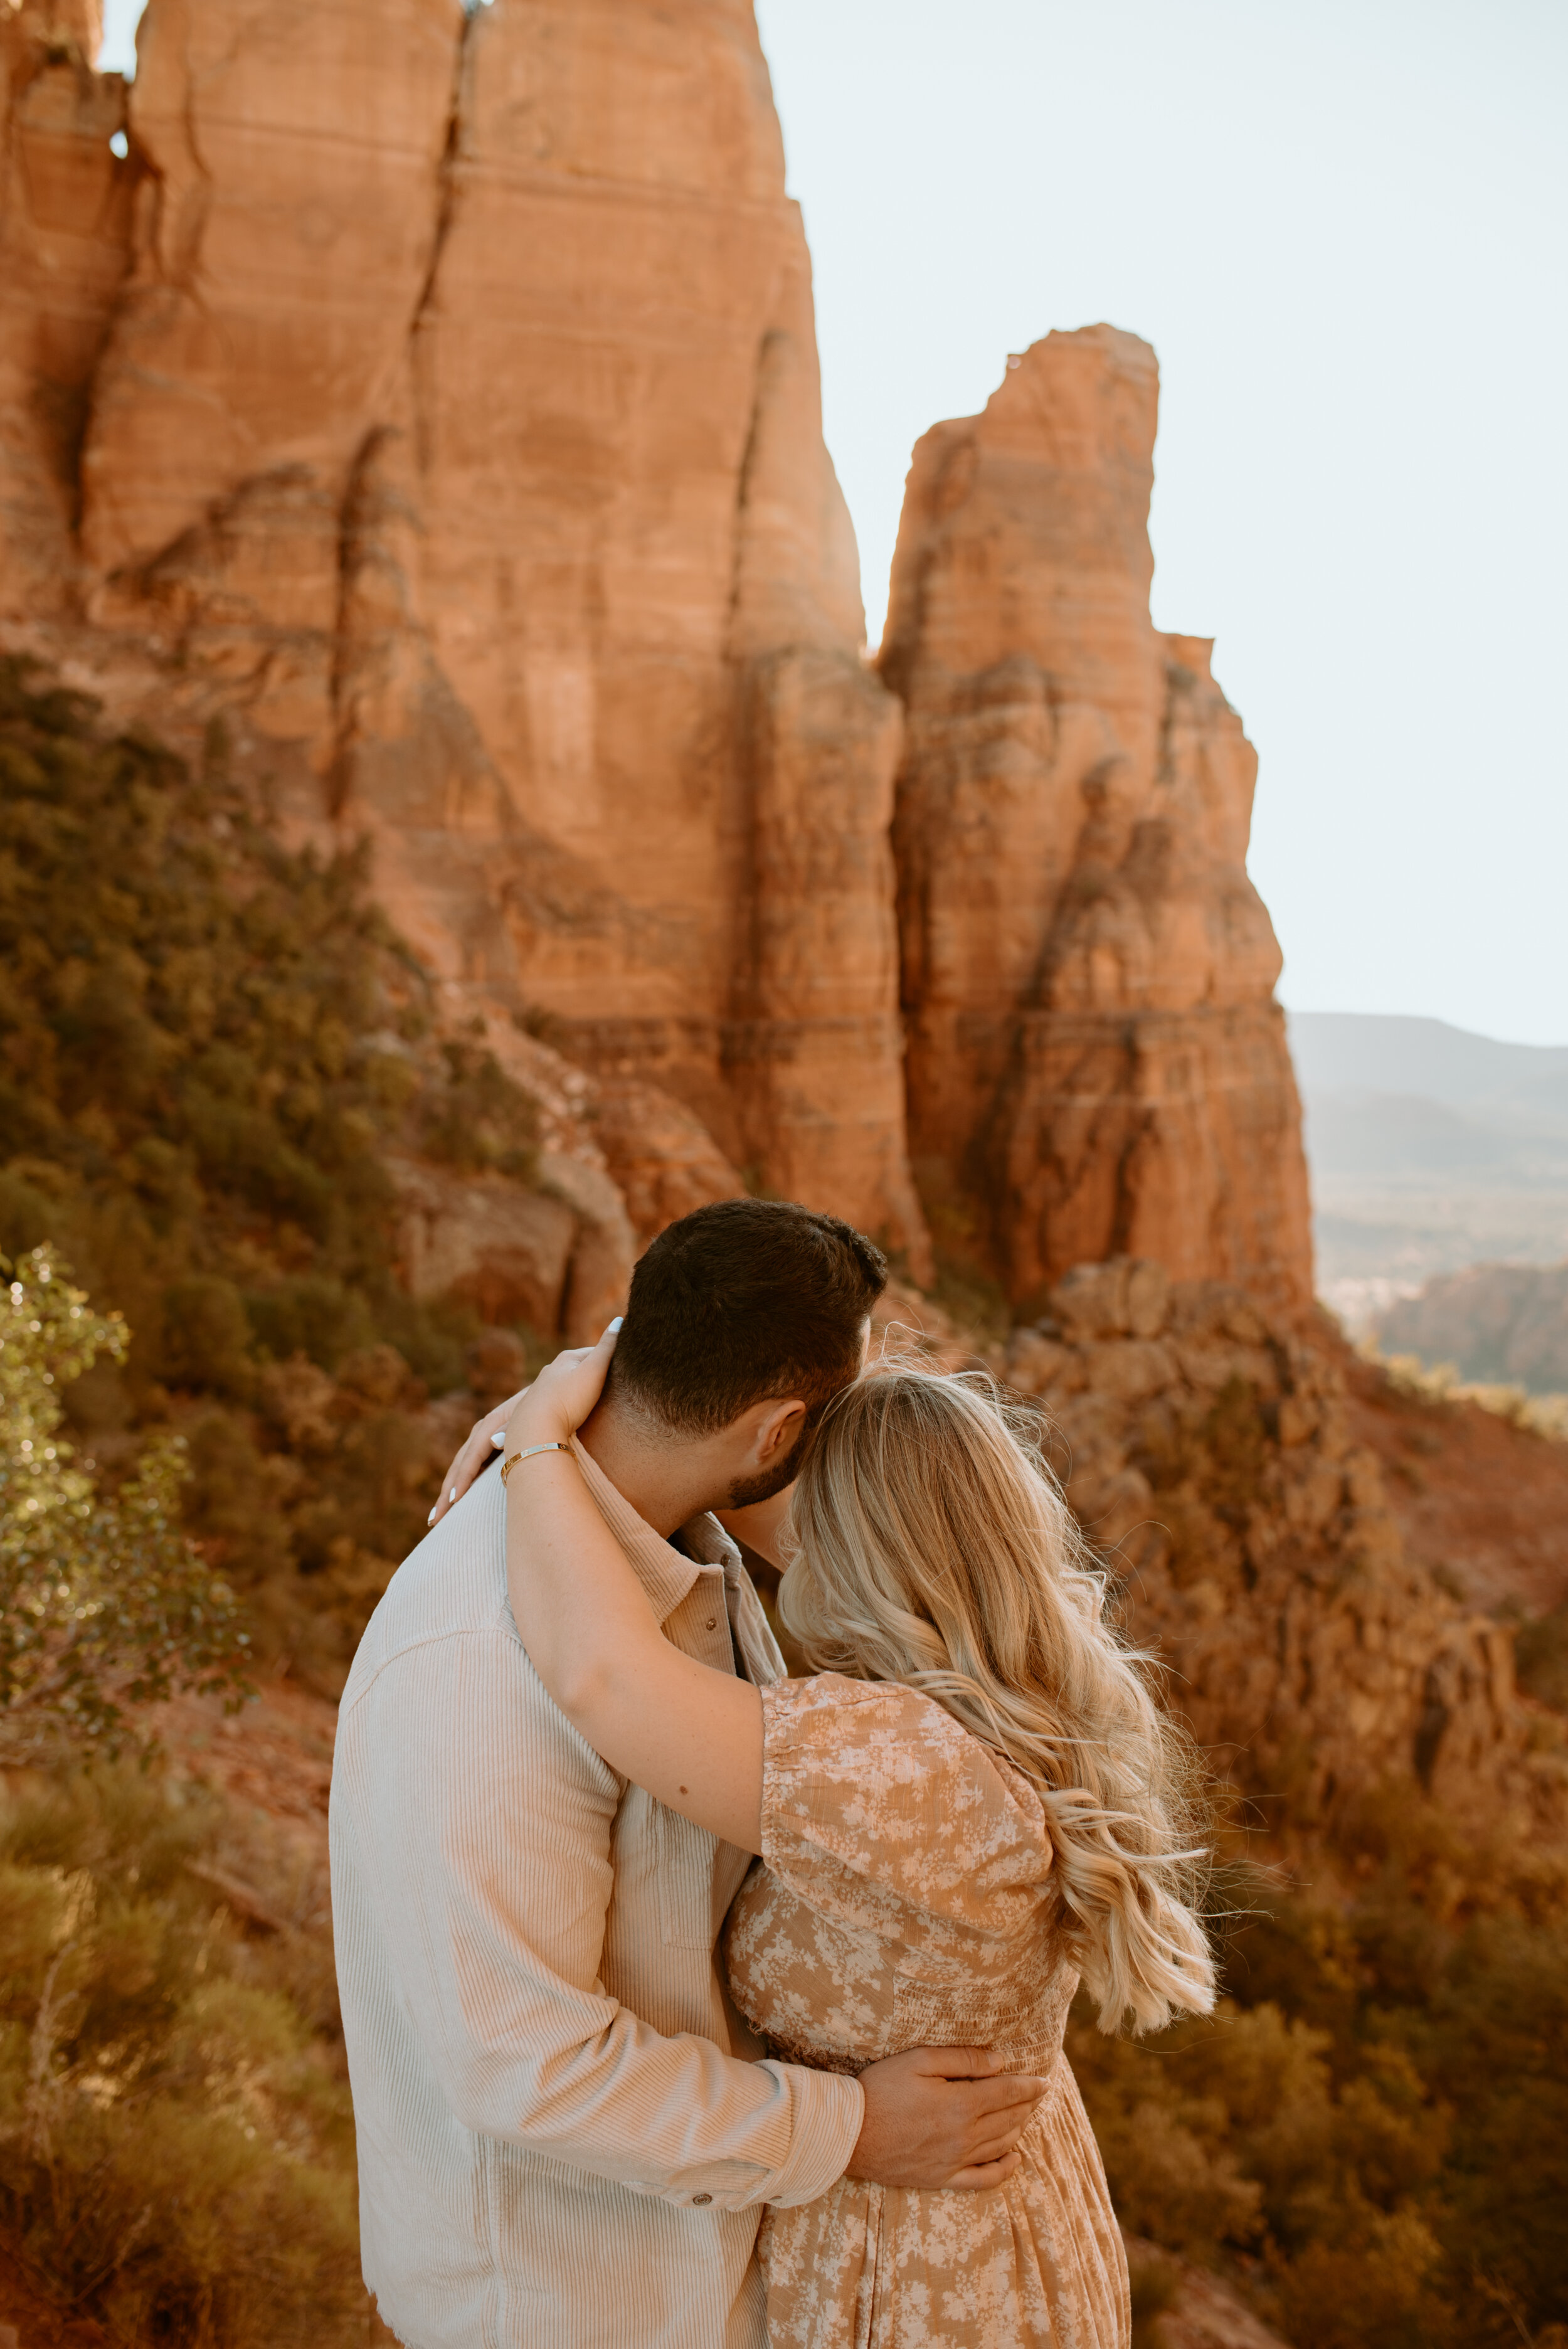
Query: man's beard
x,y
749,1489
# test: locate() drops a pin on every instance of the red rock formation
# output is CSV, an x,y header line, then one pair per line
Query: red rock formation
x,y
1096,1060
459,431
664,1159
455,440
64,229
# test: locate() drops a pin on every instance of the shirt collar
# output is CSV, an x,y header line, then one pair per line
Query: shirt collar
x,y
664,1573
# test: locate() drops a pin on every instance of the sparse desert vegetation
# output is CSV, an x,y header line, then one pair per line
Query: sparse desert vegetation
x,y
176,2136
208,1045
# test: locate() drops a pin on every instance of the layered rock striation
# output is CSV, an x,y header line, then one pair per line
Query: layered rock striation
x,y
426,402
451,421
66,200
1096,1060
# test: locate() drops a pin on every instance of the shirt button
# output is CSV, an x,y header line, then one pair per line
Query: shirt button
x,y
712,1624
700,2198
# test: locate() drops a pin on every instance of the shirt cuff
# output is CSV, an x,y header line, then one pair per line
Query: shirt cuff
x,y
827,2114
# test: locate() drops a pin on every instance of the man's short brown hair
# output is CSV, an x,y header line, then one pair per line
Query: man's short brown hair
x,y
742,1301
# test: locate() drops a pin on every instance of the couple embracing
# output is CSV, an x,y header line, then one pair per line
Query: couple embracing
x,y
689,2006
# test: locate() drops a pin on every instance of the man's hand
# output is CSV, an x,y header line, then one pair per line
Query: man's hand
x,y
479,1446
943,2117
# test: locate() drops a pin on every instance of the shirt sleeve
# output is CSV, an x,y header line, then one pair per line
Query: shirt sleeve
x,y
490,1823
886,1815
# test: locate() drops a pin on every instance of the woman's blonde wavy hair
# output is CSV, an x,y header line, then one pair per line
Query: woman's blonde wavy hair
x,y
932,1546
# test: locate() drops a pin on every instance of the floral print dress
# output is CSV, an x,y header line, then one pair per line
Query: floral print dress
x,y
905,1899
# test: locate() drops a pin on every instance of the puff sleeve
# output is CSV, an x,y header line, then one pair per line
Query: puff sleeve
x,y
886,1816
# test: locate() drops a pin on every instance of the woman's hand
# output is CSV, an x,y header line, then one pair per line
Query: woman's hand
x,y
493,1432
562,1397
476,1452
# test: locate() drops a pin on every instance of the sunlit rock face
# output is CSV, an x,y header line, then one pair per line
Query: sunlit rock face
x,y
455,423
1097,1063
423,416
65,247
641,580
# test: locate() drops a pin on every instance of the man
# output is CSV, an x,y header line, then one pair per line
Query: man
x,y
566,2141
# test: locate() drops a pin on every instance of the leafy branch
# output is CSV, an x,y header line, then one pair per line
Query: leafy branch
x,y
104,1602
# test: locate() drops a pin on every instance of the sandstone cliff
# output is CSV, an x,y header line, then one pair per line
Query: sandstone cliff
x,y
440,405
64,230
1096,1060
430,400
433,400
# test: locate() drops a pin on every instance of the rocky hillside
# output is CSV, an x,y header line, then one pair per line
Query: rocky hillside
x,y
240,1107
1208,1452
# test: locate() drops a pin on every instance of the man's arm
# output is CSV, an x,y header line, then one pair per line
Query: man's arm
x,y
486,1823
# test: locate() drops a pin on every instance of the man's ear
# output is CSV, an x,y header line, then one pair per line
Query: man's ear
x,y
778,1431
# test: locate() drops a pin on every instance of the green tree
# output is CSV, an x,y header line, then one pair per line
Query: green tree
x,y
103,1600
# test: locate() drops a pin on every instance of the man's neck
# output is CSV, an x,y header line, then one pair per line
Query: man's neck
x,y
669,1479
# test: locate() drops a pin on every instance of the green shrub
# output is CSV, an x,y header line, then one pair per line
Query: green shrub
x,y
205,1336
1379,2111
479,1119
103,1600
176,2143
313,1315
208,1045
1541,1658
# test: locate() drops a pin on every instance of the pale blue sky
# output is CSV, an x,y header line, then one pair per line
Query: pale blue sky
x,y
1343,229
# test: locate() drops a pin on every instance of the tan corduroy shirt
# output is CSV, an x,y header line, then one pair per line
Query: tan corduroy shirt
x,y
557,2147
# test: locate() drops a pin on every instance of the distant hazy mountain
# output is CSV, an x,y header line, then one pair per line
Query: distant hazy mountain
x,y
1500,1322
1432,1149
1337,1051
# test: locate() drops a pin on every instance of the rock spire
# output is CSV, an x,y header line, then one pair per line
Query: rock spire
x,y
1097,1064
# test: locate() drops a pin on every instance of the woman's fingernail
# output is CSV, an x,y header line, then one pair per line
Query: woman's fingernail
x,y
453,1493
498,1439
431,1518
618,1321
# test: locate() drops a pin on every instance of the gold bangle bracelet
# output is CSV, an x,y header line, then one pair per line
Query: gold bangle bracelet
x,y
507,1465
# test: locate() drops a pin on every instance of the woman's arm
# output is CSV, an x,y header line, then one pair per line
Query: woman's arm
x,y
692,1736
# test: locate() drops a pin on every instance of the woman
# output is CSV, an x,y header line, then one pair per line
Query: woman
x,y
973,1803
